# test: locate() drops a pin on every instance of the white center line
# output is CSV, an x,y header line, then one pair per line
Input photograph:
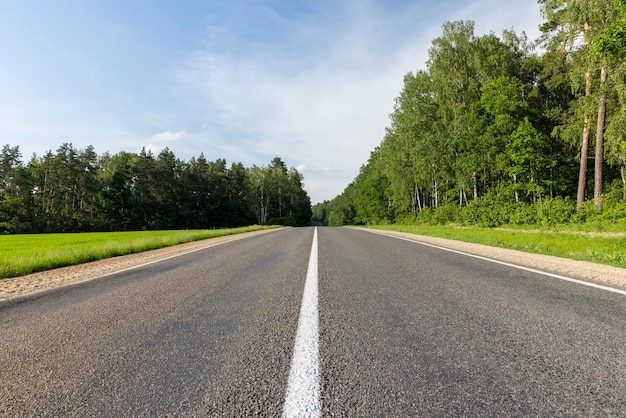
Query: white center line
x,y
302,397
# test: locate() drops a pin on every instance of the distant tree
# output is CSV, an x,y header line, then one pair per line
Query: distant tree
x,y
319,212
117,180
237,211
277,195
16,204
298,203
370,195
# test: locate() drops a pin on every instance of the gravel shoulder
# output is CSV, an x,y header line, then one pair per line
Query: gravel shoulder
x,y
39,282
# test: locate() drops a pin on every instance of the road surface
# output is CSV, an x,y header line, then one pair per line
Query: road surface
x,y
392,328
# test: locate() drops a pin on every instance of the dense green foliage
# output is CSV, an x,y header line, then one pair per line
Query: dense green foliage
x,y
613,42
74,190
494,132
28,253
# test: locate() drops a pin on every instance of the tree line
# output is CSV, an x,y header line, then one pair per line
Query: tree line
x,y
73,190
495,131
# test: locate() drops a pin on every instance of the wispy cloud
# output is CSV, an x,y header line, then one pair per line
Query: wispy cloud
x,y
168,136
329,111
310,82
326,112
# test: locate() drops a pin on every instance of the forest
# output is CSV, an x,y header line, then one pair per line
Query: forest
x,y
499,130
73,190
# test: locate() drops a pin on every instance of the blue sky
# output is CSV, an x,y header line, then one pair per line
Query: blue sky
x,y
312,82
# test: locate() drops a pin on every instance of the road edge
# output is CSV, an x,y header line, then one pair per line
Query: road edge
x,y
582,270
35,283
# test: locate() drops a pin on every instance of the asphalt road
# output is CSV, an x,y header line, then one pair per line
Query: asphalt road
x,y
404,330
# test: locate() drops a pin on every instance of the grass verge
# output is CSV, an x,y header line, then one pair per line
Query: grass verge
x,y
25,254
609,249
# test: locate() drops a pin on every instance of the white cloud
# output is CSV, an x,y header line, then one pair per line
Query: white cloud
x,y
303,168
329,114
315,90
168,136
323,100
154,149
318,97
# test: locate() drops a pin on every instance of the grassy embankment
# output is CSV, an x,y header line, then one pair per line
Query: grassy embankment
x,y
25,254
598,247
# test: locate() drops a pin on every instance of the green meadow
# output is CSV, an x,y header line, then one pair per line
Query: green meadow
x,y
604,248
25,254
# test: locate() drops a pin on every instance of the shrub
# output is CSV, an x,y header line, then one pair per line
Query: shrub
x,y
445,214
489,210
407,218
523,214
556,211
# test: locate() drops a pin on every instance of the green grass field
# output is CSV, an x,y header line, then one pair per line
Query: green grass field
x,y
603,248
25,254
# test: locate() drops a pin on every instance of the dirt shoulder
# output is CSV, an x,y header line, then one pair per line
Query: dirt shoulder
x,y
52,279
584,270
46,280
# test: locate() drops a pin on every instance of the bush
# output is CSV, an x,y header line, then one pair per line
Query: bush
x,y
498,208
613,214
556,211
446,214
524,214
13,226
584,214
407,218
490,210
443,215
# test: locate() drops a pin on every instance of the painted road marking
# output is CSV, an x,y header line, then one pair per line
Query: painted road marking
x,y
303,392
504,263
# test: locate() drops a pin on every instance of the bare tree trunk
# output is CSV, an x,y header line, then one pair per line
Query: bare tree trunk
x,y
623,175
584,151
597,183
475,181
419,201
582,173
436,190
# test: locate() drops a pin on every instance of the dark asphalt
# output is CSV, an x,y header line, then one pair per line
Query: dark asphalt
x,y
405,330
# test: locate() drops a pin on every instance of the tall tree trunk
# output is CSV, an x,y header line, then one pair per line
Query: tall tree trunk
x,y
584,150
597,183
623,175
582,173
419,201
475,181
436,190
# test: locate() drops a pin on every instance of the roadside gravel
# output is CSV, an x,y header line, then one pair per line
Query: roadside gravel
x,y
38,282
